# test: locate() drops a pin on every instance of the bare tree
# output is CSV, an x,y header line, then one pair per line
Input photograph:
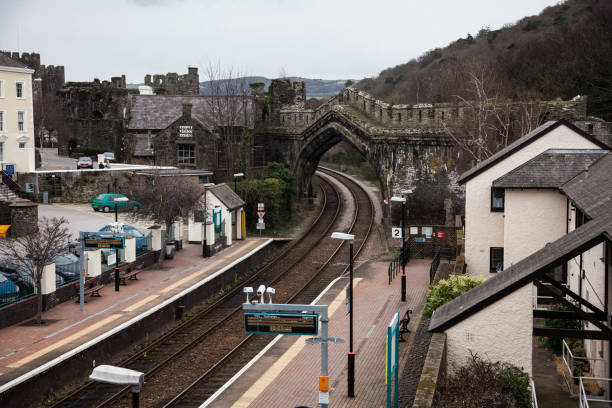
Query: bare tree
x,y
165,199
33,252
489,120
228,113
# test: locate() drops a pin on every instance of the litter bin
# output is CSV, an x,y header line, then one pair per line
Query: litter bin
x,y
170,248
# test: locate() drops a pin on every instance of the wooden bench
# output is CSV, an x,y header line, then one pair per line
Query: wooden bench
x,y
404,325
130,274
90,289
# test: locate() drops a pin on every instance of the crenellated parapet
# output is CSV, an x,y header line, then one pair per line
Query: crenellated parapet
x,y
175,84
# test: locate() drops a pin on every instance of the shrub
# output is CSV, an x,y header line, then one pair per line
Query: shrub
x,y
448,289
482,383
554,343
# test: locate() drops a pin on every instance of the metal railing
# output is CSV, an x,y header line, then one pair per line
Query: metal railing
x,y
219,230
573,364
433,267
16,287
584,398
10,183
144,245
534,398
395,266
537,297
69,272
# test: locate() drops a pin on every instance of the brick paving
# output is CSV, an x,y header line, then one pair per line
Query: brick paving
x,y
411,374
287,376
25,347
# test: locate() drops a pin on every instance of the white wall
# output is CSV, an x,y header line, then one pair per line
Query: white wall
x,y
532,218
500,332
484,228
225,216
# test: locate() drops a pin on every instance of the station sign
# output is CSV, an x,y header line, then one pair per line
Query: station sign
x,y
396,232
281,323
260,206
97,241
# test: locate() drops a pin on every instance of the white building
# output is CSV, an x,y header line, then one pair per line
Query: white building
x,y
16,116
540,213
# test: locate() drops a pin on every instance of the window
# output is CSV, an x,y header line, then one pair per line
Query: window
x,y
21,121
186,154
580,218
1,88
22,145
19,88
2,121
497,199
1,151
496,264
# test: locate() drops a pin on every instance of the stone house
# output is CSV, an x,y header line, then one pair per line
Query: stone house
x,y
555,231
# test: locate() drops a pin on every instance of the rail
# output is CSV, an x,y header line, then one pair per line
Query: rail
x,y
584,398
395,266
573,365
534,398
537,297
10,183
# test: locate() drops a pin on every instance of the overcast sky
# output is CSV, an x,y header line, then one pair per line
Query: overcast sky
x,y
331,39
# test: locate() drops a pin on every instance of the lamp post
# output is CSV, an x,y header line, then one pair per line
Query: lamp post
x,y
403,201
123,376
117,201
351,355
204,244
236,175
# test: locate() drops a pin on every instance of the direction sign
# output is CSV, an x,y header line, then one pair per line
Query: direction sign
x,y
260,206
97,241
261,214
316,340
281,323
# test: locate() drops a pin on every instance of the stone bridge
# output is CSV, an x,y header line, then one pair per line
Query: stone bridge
x,y
404,143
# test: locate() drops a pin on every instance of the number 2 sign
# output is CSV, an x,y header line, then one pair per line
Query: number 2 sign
x,y
396,232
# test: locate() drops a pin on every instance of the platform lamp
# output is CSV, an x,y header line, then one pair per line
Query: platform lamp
x,y
351,355
403,201
236,175
204,244
122,376
117,201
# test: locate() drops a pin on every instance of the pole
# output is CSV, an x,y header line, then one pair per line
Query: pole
x,y
324,345
82,275
403,252
351,355
135,399
235,185
116,258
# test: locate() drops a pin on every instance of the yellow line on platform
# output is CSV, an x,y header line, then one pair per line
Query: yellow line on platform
x,y
283,361
64,341
138,304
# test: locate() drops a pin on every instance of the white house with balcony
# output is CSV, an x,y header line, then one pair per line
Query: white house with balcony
x,y
16,116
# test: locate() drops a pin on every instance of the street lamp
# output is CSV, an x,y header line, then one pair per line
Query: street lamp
x,y
123,376
236,175
117,201
403,201
204,245
351,356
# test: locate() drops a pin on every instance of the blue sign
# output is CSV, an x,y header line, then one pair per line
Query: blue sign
x,y
392,362
9,169
419,239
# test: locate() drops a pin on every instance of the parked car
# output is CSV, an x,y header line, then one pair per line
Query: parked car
x,y
85,163
110,156
8,290
67,266
22,278
141,239
106,203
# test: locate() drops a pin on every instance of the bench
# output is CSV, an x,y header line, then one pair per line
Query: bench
x,y
131,274
90,289
404,325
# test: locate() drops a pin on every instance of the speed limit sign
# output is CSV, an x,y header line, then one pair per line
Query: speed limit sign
x,y
396,232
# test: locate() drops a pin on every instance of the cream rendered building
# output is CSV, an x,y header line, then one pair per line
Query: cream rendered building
x,y
16,115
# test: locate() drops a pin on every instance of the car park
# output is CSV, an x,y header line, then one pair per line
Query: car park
x,y
85,163
19,275
106,202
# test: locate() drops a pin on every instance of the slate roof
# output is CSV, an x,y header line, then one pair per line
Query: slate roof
x,y
227,196
522,142
6,61
157,112
592,193
549,169
174,172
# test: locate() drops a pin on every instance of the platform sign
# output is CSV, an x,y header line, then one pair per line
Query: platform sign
x,y
111,259
281,323
260,225
396,232
440,234
419,239
105,242
392,360
9,169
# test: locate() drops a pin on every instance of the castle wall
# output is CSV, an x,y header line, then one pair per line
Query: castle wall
x,y
175,84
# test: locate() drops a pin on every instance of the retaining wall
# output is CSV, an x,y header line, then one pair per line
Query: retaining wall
x,y
434,372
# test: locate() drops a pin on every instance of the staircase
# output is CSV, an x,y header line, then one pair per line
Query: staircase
x,y
6,194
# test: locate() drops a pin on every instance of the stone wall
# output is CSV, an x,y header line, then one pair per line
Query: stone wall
x,y
433,373
21,215
52,76
174,84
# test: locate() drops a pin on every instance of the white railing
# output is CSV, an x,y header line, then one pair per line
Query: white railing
x,y
569,363
537,297
584,398
534,399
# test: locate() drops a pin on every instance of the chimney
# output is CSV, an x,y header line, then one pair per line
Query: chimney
x,y
187,110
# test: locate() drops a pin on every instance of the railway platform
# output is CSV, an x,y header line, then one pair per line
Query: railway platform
x,y
286,374
27,346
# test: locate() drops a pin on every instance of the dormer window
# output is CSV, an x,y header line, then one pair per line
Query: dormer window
x,y
497,199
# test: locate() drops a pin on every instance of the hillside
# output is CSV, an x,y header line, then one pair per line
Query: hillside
x,y
315,88
564,51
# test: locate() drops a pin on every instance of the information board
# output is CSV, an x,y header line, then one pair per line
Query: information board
x,y
96,241
281,323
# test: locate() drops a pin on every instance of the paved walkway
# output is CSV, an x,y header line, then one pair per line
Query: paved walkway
x,y
26,346
287,374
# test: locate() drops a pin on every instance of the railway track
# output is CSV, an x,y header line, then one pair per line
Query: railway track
x,y
212,340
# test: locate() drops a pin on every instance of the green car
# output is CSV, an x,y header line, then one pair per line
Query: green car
x,y
106,203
